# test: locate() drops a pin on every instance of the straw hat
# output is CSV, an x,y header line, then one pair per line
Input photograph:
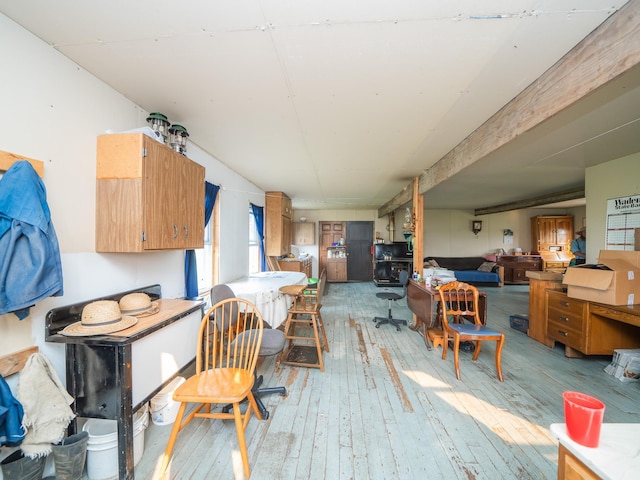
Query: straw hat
x,y
581,230
138,304
99,318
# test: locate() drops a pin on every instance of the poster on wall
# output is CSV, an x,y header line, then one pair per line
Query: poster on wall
x,y
623,217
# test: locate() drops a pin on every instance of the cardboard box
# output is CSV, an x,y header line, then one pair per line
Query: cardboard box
x,y
615,280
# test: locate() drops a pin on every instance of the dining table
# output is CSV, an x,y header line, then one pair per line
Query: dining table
x,y
263,289
423,300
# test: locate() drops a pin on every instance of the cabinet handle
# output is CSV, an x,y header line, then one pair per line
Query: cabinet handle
x,y
563,333
564,304
564,319
175,231
186,232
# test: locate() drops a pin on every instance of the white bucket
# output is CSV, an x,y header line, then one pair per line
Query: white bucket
x,y
163,409
102,447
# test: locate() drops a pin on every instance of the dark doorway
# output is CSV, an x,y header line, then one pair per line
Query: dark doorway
x,y
359,258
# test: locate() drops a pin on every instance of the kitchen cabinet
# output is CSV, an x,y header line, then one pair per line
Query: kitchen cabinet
x,y
292,265
277,230
517,266
148,197
304,233
337,264
551,233
331,233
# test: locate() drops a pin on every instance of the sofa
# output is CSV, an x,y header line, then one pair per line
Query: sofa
x,y
476,271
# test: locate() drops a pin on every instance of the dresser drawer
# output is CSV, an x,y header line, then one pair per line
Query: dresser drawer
x,y
565,319
569,306
570,338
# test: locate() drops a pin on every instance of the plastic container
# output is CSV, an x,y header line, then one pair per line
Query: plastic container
x,y
583,415
163,409
102,447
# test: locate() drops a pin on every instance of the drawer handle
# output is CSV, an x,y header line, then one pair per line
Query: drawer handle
x,y
564,319
563,333
175,231
564,304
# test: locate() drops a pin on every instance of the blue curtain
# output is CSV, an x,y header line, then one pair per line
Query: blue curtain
x,y
190,265
258,215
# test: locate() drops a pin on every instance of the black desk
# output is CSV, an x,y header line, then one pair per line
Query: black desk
x,y
99,369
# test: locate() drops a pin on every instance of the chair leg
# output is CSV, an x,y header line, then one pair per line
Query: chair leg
x,y
257,393
499,346
324,334
238,419
177,425
456,355
393,321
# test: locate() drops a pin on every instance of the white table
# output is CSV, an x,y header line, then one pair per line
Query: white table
x,y
617,456
262,289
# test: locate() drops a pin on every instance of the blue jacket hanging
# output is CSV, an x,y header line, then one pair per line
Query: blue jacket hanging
x,y
11,413
30,266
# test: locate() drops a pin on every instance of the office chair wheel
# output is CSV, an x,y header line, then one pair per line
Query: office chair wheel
x,y
398,328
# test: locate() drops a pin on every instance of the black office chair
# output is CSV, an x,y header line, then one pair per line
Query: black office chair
x,y
272,343
393,297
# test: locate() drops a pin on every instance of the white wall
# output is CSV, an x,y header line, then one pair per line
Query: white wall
x,y
53,110
447,233
618,178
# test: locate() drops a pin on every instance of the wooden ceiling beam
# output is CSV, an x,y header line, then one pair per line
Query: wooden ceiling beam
x,y
606,53
572,194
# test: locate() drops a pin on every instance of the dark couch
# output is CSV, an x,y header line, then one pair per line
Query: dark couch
x,y
466,270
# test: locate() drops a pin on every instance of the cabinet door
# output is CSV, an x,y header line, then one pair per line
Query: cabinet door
x,y
546,233
303,233
336,270
191,205
564,230
330,232
160,193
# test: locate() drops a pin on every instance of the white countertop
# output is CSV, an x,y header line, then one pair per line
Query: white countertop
x,y
618,454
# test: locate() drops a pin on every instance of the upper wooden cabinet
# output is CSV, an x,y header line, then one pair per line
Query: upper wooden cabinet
x,y
148,197
551,233
304,233
277,231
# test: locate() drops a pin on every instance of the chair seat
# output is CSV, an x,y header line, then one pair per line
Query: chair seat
x,y
389,296
226,385
272,342
472,329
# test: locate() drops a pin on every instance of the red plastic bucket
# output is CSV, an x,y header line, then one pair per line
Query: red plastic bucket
x,y
583,415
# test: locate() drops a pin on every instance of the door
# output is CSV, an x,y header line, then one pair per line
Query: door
x,y
359,258
330,232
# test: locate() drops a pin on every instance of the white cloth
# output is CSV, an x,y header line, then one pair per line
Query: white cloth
x,y
46,406
263,290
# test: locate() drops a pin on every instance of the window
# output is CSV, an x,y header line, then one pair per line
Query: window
x,y
206,258
254,245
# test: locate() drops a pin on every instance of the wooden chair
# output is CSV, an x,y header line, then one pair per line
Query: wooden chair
x,y
459,301
272,343
228,344
304,329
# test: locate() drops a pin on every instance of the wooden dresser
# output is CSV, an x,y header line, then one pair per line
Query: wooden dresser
x,y
591,328
517,266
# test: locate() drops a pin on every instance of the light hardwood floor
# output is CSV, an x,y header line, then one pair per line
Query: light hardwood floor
x,y
387,408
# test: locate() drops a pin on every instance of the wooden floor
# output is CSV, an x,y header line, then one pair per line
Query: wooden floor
x,y
387,408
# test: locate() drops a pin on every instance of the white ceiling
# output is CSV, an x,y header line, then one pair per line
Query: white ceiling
x,y
341,103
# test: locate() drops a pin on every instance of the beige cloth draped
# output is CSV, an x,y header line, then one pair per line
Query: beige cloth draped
x,y
46,406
